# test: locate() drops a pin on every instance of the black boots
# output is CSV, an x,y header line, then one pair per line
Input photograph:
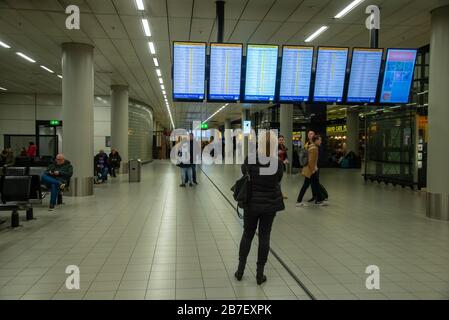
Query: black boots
x,y
239,273
260,277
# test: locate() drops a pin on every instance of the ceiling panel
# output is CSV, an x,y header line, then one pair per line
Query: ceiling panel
x,y
179,29
257,9
112,26
180,9
201,29
243,31
264,31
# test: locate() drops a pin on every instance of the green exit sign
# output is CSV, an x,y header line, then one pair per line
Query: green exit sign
x,y
55,122
204,126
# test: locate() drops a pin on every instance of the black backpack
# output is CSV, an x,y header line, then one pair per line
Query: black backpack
x,y
242,192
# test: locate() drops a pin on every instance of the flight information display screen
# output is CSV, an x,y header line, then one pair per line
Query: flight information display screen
x,y
189,70
261,68
330,74
296,74
398,75
225,71
364,76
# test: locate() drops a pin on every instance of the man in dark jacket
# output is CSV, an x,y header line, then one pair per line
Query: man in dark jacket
x,y
101,166
265,201
56,177
114,162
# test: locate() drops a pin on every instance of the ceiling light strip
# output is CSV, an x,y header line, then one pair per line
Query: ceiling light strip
x,y
316,34
348,9
20,54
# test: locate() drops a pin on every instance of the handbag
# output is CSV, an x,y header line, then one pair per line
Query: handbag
x,y
241,191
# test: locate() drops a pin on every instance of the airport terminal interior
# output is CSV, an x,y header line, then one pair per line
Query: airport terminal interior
x,y
116,117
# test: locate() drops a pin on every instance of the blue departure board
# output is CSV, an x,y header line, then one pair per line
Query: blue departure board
x,y
189,70
398,75
364,76
296,74
261,69
330,74
225,71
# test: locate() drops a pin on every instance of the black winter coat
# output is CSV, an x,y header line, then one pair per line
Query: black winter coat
x,y
266,194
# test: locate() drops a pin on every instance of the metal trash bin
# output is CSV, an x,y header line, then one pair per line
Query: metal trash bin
x,y
134,170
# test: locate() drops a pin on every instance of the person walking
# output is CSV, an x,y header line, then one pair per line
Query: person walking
x,y
266,200
185,163
310,174
114,162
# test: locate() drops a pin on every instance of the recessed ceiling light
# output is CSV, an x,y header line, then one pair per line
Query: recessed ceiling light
x,y
161,81
156,63
158,71
46,69
140,5
316,34
162,87
348,9
4,89
163,92
4,45
146,27
20,54
59,76
152,49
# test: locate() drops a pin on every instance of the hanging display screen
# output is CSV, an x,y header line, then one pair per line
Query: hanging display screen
x,y
364,76
189,70
330,74
296,74
398,75
261,69
225,71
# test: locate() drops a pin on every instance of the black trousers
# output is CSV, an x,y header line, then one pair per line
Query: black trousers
x,y
314,182
250,222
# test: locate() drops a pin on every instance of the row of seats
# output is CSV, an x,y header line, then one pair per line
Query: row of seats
x,y
19,186
15,197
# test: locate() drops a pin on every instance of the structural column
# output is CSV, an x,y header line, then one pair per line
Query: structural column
x,y
438,148
228,124
245,117
119,123
352,135
78,114
286,120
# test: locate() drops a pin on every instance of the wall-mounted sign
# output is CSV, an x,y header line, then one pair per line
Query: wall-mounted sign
x,y
331,130
55,122
204,126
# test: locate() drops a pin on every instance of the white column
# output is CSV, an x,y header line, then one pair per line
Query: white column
x,y
286,121
78,114
227,124
438,148
352,135
119,123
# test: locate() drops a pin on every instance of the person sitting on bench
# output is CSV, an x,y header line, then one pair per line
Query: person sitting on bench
x,y
56,177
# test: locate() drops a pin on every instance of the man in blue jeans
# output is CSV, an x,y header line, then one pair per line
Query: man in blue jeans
x,y
56,177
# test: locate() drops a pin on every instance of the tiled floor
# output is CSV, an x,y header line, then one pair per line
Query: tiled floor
x,y
329,248
148,240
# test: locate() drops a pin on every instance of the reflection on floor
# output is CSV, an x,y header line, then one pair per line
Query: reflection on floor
x,y
148,240
329,248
